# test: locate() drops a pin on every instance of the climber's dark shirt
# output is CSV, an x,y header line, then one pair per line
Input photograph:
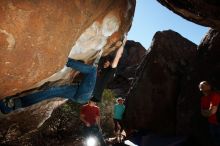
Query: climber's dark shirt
x,y
104,75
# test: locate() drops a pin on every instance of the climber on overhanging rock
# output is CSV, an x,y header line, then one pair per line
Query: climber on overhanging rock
x,y
106,72
79,93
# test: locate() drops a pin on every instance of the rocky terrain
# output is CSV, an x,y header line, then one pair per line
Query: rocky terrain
x,y
166,86
52,122
36,37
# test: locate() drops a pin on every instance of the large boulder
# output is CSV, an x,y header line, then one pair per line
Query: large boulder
x,y
209,58
205,67
208,68
151,103
36,37
203,12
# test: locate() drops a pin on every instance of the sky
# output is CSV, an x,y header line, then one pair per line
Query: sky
x,y
150,17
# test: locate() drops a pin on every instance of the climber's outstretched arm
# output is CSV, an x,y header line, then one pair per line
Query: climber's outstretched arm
x,y
119,54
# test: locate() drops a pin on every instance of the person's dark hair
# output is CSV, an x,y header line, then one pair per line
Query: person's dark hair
x,y
104,60
108,58
94,99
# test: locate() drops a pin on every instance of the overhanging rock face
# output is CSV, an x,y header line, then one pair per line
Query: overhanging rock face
x,y
36,37
203,12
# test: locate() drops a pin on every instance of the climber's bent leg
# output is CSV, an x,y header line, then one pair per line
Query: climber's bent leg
x,y
86,87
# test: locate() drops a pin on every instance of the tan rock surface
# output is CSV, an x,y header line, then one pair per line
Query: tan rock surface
x,y
36,37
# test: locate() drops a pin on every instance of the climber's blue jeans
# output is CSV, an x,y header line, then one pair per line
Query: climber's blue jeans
x,y
78,93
